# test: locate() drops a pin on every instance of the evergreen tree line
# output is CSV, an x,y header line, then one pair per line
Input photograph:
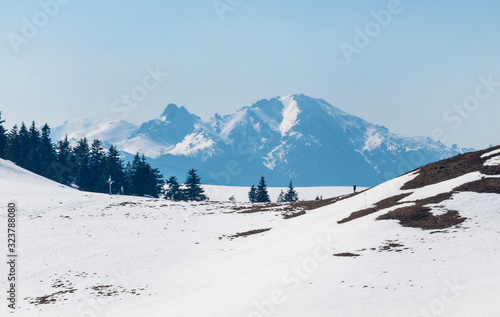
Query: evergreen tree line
x,y
259,194
89,167
191,190
86,166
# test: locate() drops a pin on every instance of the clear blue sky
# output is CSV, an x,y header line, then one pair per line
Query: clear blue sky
x,y
414,70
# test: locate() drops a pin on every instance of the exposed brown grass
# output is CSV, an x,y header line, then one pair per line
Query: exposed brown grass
x,y
347,254
48,299
383,204
418,216
247,233
485,185
435,199
391,246
452,168
289,215
293,209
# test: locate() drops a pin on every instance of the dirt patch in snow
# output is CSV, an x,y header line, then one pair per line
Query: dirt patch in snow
x,y
112,290
383,204
49,299
485,185
245,234
288,215
347,255
452,168
420,216
392,246
293,209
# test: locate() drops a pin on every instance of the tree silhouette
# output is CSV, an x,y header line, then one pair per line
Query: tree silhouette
x,y
193,189
262,194
252,194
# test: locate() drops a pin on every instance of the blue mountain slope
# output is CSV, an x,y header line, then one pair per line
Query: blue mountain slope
x,y
295,137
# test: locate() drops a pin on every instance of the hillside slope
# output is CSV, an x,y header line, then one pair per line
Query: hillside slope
x,y
100,255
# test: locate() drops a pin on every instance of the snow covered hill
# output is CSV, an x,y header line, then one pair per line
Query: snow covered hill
x,y
294,137
422,244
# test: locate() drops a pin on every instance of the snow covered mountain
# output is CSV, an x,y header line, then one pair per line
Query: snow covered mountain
x,y
422,244
294,137
110,132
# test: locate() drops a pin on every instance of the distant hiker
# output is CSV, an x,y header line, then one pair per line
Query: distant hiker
x,y
354,187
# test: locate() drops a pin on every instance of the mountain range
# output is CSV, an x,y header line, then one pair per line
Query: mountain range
x,y
295,137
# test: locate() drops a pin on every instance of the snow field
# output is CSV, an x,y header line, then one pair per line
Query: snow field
x,y
152,257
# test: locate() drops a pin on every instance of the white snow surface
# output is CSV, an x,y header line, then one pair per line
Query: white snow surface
x,y
493,161
110,131
160,258
290,114
191,144
494,152
373,140
232,123
143,145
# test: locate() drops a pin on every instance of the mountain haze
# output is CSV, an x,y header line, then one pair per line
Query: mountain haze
x,y
293,137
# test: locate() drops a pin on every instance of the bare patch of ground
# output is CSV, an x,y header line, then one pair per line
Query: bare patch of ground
x,y
288,215
383,204
245,234
392,246
112,290
416,216
485,185
452,168
291,209
347,254
419,216
49,299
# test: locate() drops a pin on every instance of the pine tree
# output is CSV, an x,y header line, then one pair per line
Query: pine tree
x,y
97,180
3,139
138,176
13,145
291,195
159,182
23,143
113,166
47,154
193,189
252,194
129,172
65,163
142,179
33,160
81,171
174,191
154,181
262,194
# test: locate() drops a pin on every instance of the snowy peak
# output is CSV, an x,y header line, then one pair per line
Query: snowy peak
x,y
422,244
171,127
292,137
290,114
109,131
174,113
